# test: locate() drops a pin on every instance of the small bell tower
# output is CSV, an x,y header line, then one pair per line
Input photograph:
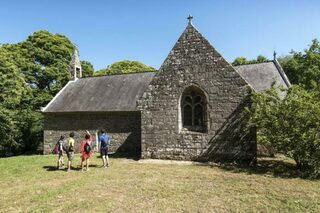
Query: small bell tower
x,y
75,66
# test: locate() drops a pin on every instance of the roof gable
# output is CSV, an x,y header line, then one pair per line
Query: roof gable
x,y
192,48
194,61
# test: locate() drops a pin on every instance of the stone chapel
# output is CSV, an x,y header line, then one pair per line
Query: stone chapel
x,y
192,108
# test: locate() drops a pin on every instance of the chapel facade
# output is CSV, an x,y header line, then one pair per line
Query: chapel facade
x,y
192,108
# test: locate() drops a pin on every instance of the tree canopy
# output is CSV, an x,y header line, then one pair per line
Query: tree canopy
x,y
125,66
303,68
243,60
87,69
31,73
12,83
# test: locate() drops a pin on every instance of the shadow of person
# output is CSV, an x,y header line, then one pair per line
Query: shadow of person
x,y
50,168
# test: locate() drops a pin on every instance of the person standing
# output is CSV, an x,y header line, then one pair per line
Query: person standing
x,y
86,150
70,151
61,144
104,143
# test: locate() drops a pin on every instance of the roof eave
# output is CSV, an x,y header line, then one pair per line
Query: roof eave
x,y
43,109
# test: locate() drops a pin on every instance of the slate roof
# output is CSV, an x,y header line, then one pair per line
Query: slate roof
x,y
121,92
101,94
262,75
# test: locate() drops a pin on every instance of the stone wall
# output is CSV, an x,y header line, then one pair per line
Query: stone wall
x,y
124,129
194,62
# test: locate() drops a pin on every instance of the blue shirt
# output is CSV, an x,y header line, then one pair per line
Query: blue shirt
x,y
105,137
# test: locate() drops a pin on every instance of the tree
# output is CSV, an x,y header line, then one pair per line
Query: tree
x,y
44,60
261,59
290,125
243,60
30,125
125,66
303,67
87,69
240,61
47,57
12,84
31,73
9,133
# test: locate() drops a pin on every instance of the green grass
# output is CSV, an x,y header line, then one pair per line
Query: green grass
x,y
30,184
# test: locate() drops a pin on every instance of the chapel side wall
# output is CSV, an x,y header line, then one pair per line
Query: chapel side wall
x,y
124,129
194,62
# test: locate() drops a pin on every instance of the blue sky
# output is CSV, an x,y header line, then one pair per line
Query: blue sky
x,y
109,31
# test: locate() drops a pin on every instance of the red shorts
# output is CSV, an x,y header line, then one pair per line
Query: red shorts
x,y
86,156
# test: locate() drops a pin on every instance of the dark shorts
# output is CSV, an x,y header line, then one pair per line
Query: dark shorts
x,y
104,152
70,155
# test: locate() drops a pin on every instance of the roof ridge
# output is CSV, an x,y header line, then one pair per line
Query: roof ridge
x,y
99,76
267,61
282,73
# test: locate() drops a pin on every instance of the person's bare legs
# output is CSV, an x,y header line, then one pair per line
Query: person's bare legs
x,y
82,164
87,164
60,161
107,158
69,165
104,160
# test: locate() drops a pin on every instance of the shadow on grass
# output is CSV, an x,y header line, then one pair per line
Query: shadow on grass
x,y
78,168
274,167
50,168
127,155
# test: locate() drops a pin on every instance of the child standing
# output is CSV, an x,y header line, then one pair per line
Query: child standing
x,y
86,150
70,151
61,144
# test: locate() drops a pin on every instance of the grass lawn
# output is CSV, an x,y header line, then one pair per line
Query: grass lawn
x,y
31,184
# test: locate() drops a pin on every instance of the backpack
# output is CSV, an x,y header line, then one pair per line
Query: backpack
x,y
55,149
65,147
62,145
87,148
104,143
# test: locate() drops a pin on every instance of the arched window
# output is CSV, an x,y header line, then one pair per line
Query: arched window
x,y
193,109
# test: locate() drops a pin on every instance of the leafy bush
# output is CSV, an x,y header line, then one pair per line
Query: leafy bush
x,y
291,125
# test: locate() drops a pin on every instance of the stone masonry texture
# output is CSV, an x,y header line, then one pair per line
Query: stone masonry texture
x,y
124,129
193,61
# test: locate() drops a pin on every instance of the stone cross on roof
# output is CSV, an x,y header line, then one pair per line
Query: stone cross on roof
x,y
190,17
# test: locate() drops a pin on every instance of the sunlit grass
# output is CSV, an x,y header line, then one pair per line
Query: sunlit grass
x,y
31,184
